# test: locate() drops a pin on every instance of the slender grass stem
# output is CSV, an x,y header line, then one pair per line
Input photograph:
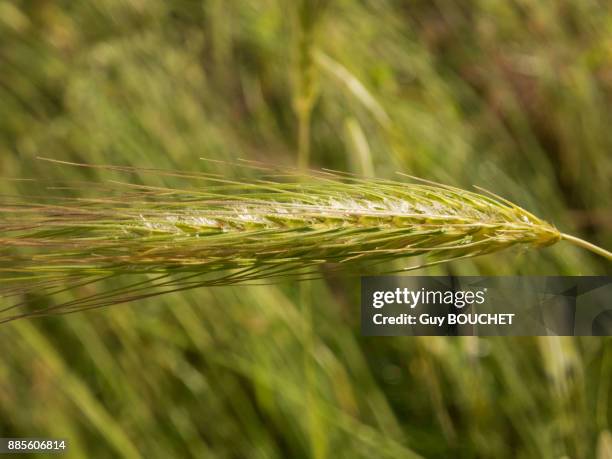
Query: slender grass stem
x,y
587,245
304,138
304,99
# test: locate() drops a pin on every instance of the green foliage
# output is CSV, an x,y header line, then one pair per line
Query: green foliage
x,y
513,96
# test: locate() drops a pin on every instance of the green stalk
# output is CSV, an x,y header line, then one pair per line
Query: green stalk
x,y
305,85
587,245
304,98
303,115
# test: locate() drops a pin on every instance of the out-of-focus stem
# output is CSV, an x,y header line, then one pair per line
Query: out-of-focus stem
x,y
305,77
304,138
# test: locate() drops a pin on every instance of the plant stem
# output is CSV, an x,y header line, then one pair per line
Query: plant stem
x,y
304,97
587,245
305,90
304,138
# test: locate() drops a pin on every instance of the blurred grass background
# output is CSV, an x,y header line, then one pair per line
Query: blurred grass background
x,y
514,96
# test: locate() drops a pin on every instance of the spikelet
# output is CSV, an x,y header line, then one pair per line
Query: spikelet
x,y
222,232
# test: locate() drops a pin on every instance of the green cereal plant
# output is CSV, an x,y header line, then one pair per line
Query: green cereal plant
x,y
222,231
